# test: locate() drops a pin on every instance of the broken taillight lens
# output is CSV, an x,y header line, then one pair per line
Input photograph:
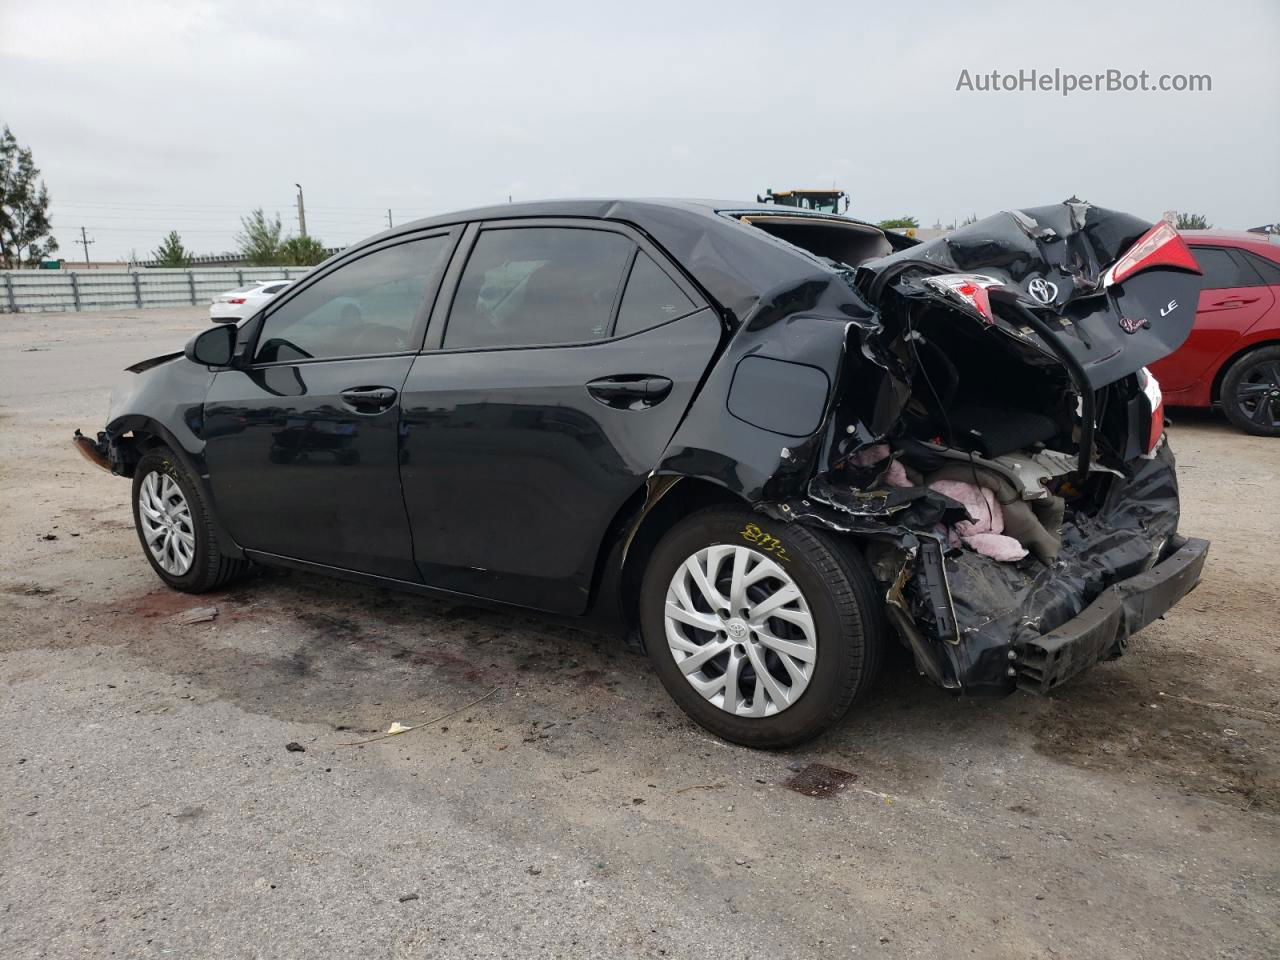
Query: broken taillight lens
x,y
971,288
1161,246
1155,400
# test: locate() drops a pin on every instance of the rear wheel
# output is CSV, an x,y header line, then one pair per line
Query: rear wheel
x,y
175,529
764,633
1251,392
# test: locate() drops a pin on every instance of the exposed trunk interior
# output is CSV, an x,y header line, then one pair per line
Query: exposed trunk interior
x,y
841,242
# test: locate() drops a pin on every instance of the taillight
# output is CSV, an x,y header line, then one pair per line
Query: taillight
x,y
1155,399
236,300
1161,246
971,288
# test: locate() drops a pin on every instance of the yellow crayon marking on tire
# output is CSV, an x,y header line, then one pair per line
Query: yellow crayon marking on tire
x,y
765,541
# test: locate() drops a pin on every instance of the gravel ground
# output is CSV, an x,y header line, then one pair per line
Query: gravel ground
x,y
149,806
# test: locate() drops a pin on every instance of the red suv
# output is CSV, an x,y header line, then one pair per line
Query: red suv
x,y
1233,354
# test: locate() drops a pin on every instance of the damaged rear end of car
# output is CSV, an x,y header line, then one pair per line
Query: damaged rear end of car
x,y
991,437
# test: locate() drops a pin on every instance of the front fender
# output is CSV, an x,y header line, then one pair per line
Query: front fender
x,y
167,399
165,404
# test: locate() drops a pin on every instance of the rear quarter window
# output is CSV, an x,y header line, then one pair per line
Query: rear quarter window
x,y
651,298
1269,270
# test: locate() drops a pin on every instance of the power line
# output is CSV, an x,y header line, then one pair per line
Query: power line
x,y
166,205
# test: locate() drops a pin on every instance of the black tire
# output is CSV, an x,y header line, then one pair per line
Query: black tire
x,y
210,568
1256,373
843,601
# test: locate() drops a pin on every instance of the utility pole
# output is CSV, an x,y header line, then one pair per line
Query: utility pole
x,y
302,212
389,223
84,241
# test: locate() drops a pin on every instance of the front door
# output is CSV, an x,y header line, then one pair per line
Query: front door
x,y
303,441
568,359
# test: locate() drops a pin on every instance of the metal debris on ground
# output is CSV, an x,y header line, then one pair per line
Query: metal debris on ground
x,y
195,615
398,728
820,780
701,786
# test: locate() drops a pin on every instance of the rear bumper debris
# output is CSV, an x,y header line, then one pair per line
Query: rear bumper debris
x,y
1102,630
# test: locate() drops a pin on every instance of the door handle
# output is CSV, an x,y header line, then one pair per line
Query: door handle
x,y
368,399
630,392
1235,301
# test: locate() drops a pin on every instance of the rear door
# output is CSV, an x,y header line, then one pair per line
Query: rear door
x,y
556,370
303,441
1233,298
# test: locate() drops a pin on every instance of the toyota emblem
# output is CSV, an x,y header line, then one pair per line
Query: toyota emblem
x,y
1043,290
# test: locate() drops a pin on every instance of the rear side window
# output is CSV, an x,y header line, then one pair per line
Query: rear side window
x,y
274,288
1221,269
365,307
651,298
532,286
1269,269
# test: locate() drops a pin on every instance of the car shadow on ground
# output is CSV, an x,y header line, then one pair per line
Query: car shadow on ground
x,y
353,658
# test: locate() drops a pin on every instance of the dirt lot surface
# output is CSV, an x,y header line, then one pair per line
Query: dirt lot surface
x,y
149,806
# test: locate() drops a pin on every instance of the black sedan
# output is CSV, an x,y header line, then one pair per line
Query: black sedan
x,y
758,442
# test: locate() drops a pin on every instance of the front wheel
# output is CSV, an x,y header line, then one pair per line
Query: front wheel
x,y
1251,392
174,526
764,633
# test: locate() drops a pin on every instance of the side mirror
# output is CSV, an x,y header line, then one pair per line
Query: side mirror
x,y
214,347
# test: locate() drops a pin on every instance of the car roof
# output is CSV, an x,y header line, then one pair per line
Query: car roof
x,y
1258,242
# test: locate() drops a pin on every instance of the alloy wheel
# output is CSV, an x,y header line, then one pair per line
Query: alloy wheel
x,y
740,630
166,524
1258,394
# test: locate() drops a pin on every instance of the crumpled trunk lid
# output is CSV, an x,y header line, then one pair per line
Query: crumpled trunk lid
x,y
1053,261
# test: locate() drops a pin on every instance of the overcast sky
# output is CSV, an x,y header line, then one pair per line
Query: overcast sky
x,y
146,117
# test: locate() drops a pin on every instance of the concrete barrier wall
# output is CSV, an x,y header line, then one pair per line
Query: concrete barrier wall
x,y
43,291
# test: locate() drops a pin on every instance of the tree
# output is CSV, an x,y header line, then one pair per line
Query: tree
x,y
24,206
1192,221
898,223
302,252
171,252
260,239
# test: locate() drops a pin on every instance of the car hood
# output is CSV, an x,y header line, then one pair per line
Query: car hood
x,y
1052,261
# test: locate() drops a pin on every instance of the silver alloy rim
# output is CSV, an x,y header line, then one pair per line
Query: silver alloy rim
x,y
166,523
740,630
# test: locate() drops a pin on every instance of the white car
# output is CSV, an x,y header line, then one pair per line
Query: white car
x,y
244,302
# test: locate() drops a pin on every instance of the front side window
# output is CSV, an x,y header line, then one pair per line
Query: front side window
x,y
366,307
532,286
